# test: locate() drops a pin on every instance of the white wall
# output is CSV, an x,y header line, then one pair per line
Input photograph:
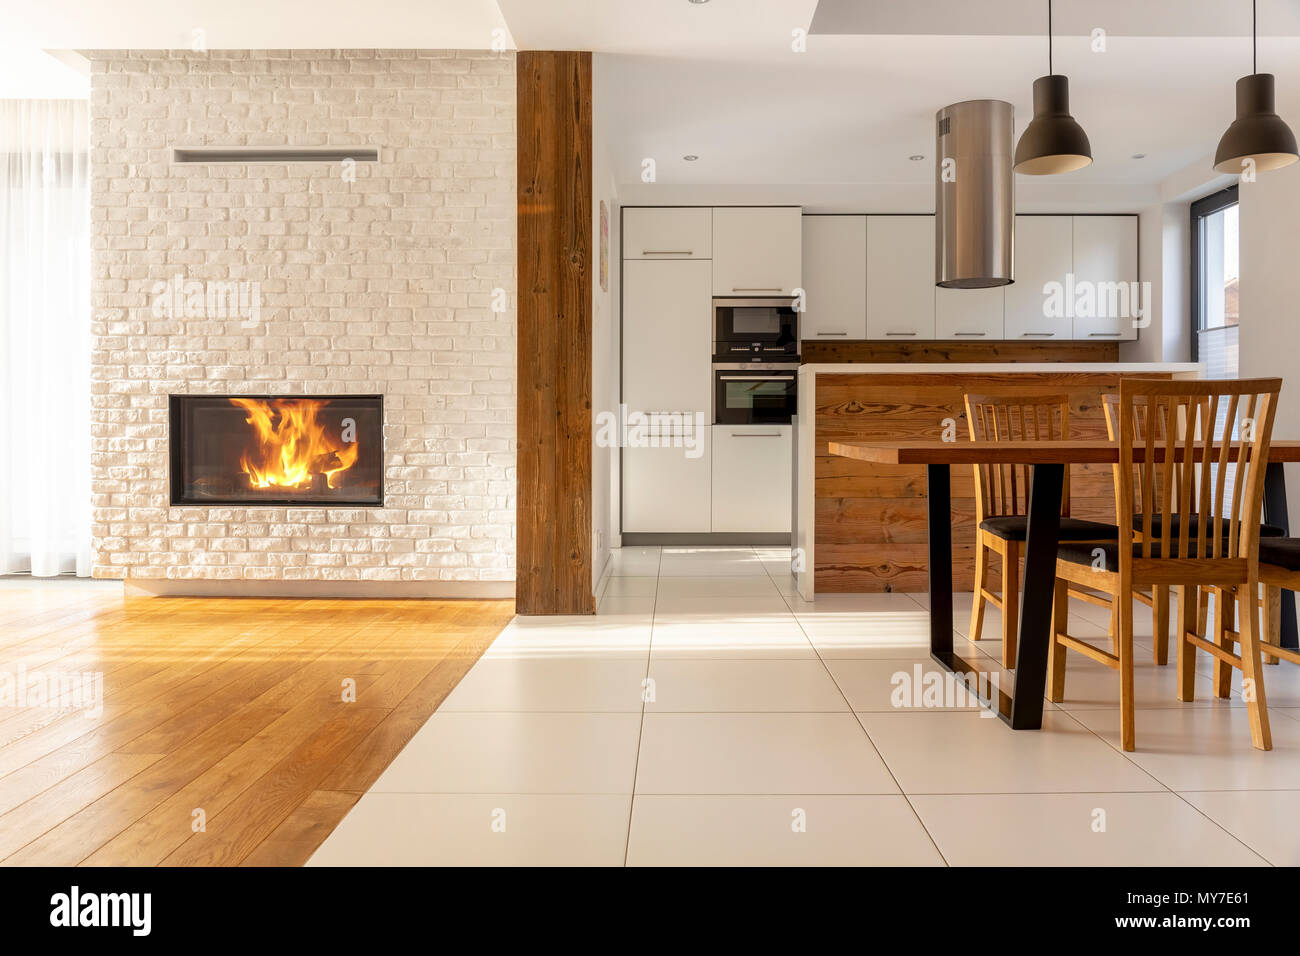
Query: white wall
x,y
384,283
1163,261
605,343
1270,317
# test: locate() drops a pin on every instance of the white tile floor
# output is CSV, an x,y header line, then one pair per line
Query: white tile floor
x,y
707,715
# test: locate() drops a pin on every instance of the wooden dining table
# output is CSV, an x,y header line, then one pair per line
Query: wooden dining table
x,y
1023,708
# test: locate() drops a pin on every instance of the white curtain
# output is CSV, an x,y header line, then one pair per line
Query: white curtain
x,y
44,337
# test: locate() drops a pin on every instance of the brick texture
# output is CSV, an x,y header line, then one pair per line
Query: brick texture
x,y
383,284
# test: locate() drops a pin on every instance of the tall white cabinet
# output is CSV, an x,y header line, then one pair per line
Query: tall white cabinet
x,y
667,367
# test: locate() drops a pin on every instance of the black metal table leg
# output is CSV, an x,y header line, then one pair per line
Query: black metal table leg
x,y
939,516
1024,709
1275,513
1036,593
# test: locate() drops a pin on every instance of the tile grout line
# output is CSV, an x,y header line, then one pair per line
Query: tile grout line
x,y
640,734
863,728
1167,787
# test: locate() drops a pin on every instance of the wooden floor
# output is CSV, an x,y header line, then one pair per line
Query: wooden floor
x,y
226,711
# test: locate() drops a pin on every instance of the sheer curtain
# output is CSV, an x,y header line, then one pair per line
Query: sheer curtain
x,y
44,337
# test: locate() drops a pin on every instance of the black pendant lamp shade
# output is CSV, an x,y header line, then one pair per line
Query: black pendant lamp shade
x,y
1052,142
1257,133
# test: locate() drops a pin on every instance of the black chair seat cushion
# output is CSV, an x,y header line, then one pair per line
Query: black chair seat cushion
x,y
1016,528
1281,552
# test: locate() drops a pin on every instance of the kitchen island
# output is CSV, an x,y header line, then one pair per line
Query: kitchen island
x,y
860,526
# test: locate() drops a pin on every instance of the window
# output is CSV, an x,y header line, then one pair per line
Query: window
x,y
1215,271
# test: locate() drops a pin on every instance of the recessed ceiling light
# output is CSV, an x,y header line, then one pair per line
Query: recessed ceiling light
x,y
1139,156
916,158
690,157
697,2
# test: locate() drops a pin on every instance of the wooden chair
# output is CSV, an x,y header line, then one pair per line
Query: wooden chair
x,y
1157,598
1207,538
1001,500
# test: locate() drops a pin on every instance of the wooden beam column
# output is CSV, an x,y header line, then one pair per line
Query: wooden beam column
x,y
553,502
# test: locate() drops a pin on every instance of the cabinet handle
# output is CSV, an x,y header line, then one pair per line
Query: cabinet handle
x,y
667,252
1046,335
971,333
755,288
832,333
900,333
756,378
1104,335
755,434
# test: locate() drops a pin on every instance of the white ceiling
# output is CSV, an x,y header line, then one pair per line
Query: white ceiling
x,y
721,80
252,24
853,109
1078,17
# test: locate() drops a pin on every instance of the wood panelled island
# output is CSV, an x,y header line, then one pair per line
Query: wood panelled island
x,y
860,526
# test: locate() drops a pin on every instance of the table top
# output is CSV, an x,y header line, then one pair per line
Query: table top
x,y
1022,453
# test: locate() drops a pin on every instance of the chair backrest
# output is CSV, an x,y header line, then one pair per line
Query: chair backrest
x,y
1141,417
1004,489
1213,423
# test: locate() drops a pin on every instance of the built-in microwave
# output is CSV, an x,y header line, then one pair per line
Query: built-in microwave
x,y
748,394
755,330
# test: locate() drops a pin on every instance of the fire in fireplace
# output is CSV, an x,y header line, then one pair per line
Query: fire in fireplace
x,y
277,450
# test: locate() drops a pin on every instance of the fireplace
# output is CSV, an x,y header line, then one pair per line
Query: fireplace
x,y
323,450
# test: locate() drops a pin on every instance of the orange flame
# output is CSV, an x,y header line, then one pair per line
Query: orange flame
x,y
292,446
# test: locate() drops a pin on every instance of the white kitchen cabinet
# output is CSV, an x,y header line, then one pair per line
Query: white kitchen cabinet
x,y
969,315
667,489
667,335
1105,257
900,278
757,251
834,278
1044,254
669,232
752,478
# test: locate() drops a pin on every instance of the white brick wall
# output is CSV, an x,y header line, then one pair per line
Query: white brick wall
x,y
379,285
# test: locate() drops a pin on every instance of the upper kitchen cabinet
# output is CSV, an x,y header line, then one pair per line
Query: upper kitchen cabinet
x,y
834,278
1044,254
970,315
757,251
900,277
1102,295
667,336
668,233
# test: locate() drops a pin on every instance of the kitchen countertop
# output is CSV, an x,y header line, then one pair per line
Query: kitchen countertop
x,y
974,368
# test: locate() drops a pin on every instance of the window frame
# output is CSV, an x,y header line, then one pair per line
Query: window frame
x,y
1201,209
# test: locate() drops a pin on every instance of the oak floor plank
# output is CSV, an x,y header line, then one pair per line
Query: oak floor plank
x,y
256,813
294,841
232,705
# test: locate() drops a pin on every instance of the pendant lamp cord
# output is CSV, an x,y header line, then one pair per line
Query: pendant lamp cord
x,y
1254,37
1049,35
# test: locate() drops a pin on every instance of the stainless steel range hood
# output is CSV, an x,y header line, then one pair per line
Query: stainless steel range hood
x,y
974,195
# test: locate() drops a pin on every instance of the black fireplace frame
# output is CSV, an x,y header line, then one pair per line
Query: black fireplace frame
x,y
176,442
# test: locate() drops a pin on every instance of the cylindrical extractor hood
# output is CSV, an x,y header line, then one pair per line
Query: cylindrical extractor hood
x,y
974,195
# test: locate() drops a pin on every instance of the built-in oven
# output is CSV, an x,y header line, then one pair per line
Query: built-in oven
x,y
748,394
755,330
